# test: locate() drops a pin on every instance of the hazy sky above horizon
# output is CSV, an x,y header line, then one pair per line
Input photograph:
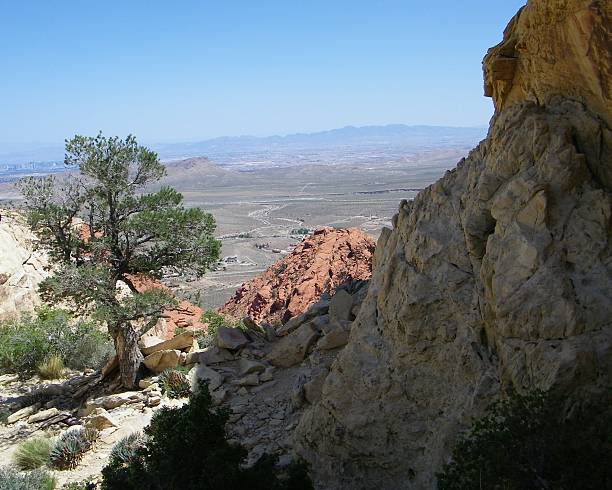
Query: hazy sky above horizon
x,y
192,70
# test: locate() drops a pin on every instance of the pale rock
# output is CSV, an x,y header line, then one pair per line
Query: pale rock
x,y
248,380
43,415
148,341
202,372
340,306
246,366
497,276
162,360
100,419
338,337
145,383
210,355
231,338
153,401
219,396
292,349
22,414
314,387
267,375
23,266
179,342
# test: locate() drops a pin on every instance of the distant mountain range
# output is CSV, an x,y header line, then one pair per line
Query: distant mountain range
x,y
411,138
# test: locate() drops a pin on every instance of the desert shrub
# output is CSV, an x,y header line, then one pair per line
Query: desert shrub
x,y
186,448
528,442
214,321
12,479
29,342
83,485
32,454
174,383
70,447
51,368
300,231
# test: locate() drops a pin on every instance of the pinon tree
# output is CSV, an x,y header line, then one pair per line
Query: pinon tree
x,y
103,226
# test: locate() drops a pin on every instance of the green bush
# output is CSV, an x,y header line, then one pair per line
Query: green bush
x,y
79,486
29,342
32,454
528,442
11,479
174,383
215,320
186,448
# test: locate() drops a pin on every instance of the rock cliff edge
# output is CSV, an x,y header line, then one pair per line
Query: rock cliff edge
x,y
497,275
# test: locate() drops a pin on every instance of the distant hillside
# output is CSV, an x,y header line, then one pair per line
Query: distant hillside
x,y
397,135
18,158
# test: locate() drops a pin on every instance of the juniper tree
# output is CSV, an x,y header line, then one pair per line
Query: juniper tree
x,y
104,224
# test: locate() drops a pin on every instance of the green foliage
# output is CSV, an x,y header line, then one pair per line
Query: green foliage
x,y
32,454
124,231
29,342
527,442
215,320
11,479
174,383
301,231
51,368
79,486
186,448
71,446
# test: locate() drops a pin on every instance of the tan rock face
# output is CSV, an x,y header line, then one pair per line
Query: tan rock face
x,y
22,267
499,274
320,263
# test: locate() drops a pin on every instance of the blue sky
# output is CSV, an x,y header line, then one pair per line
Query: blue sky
x,y
190,70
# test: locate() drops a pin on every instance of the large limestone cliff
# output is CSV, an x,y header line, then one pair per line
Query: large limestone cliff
x,y
498,275
22,267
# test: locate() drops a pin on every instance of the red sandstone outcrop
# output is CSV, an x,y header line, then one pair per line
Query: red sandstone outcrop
x,y
184,314
319,264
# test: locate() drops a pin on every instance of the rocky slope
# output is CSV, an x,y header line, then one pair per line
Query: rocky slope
x,y
22,267
321,263
498,275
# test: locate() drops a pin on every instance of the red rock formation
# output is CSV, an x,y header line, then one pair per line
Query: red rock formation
x,y
185,314
320,263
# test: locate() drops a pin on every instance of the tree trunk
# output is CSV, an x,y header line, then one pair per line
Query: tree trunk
x,y
128,352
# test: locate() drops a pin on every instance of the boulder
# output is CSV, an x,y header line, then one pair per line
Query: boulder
x,y
267,375
314,387
292,349
340,306
246,366
43,415
180,342
231,338
100,419
148,341
111,401
161,360
248,380
202,372
210,355
23,413
337,337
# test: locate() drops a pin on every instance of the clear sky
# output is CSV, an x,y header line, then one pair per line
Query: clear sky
x,y
189,70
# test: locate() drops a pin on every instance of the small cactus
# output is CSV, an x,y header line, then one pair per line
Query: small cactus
x,y
69,449
174,383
